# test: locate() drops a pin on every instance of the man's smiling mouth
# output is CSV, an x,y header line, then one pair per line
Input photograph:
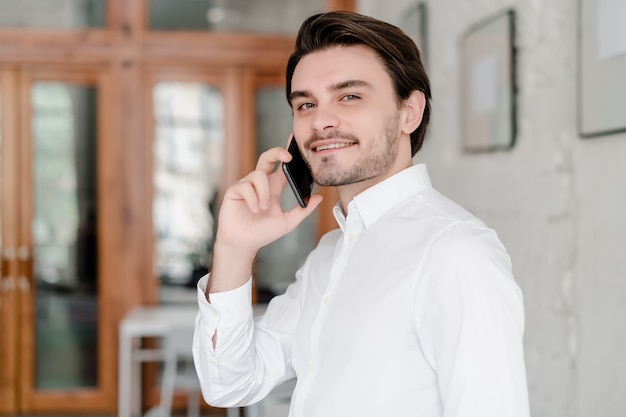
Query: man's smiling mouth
x,y
332,146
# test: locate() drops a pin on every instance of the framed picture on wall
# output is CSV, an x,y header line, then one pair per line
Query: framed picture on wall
x,y
414,23
601,67
488,84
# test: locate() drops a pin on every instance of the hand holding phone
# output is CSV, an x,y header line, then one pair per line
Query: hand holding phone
x,y
298,174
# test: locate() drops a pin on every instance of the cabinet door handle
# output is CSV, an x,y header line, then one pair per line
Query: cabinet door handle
x,y
8,253
23,253
23,284
8,284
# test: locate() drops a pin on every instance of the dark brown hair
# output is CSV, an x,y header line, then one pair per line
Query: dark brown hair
x,y
397,51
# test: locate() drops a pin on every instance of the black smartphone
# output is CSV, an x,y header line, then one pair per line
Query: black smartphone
x,y
298,174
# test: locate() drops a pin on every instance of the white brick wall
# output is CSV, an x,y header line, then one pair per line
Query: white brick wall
x,y
557,201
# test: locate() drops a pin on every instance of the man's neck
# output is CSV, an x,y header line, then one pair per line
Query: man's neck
x,y
348,192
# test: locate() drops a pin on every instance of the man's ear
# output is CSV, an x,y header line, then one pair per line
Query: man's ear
x,y
413,111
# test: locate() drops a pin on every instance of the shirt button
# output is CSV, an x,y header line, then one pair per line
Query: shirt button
x,y
326,300
311,366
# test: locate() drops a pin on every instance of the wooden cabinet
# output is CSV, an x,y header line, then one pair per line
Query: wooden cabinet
x,y
77,240
57,328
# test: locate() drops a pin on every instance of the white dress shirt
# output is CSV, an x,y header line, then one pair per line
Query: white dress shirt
x,y
409,309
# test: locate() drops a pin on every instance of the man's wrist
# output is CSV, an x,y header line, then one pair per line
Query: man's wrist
x,y
232,268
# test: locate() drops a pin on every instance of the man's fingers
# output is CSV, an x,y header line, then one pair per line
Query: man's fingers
x,y
296,215
247,192
254,189
268,159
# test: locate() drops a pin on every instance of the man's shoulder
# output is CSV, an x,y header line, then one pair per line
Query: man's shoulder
x,y
433,210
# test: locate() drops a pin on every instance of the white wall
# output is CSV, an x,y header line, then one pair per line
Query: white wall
x,y
557,201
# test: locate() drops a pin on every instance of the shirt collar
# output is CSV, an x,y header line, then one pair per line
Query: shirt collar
x,y
370,205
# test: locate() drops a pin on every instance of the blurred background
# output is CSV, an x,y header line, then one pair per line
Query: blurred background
x,y
122,122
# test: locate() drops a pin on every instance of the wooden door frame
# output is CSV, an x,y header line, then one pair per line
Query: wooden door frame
x,y
348,5
9,192
98,398
239,153
237,141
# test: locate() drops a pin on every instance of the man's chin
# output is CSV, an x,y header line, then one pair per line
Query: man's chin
x,y
338,180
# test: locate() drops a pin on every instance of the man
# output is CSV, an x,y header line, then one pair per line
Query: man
x,y
410,307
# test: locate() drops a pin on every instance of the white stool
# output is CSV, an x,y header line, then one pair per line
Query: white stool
x,y
177,351
174,326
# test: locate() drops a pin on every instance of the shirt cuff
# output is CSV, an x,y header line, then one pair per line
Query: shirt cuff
x,y
228,308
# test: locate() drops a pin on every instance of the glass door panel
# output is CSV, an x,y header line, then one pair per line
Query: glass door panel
x,y
65,237
188,162
52,14
277,263
248,16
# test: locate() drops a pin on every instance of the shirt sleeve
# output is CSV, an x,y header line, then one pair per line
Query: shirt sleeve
x,y
246,363
471,325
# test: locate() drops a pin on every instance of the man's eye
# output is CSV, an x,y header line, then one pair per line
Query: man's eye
x,y
305,106
349,97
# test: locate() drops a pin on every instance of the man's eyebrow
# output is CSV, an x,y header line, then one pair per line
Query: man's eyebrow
x,y
333,87
299,94
349,84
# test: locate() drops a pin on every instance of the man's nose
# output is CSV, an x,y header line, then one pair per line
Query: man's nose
x,y
324,119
